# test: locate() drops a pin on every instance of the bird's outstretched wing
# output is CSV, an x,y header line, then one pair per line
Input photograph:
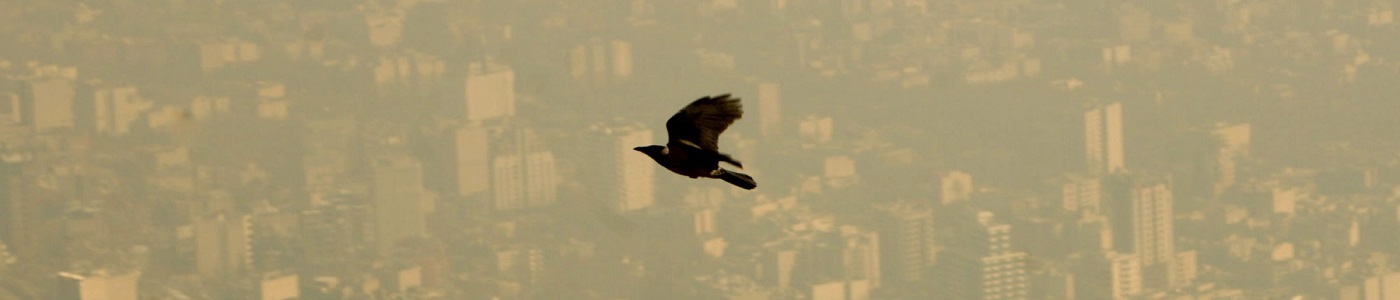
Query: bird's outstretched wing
x,y
702,121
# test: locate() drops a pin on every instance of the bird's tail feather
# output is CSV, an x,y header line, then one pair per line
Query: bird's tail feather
x,y
737,179
725,158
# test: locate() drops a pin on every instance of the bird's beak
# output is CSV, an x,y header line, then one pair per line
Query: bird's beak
x,y
639,149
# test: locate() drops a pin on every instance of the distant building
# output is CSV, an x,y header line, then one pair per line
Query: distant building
x,y
1184,269
846,255
523,264
839,171
46,98
841,290
1284,200
1081,194
622,176
6,258
11,111
28,212
279,286
954,186
1103,138
1107,275
223,246
212,55
1141,217
110,110
1234,144
385,28
328,151
1378,16
906,244
980,264
401,278
98,285
490,91
600,62
774,268
408,73
815,130
472,155
399,201
332,232
523,172
1381,287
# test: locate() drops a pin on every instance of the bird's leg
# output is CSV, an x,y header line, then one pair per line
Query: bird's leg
x,y
715,173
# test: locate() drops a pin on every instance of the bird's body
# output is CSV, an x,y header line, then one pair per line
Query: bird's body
x,y
692,149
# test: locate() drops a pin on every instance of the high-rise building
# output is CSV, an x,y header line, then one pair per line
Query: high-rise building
x,y
622,176
1141,218
1108,275
1103,138
47,102
862,255
26,220
523,172
398,201
1091,233
906,249
622,59
223,245
774,267
1183,269
490,91
327,152
849,253
1152,222
980,263
472,147
109,110
1082,194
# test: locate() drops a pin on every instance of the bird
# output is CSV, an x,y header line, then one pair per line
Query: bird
x,y
692,146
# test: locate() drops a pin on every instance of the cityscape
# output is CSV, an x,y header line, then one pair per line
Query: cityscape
x,y
903,149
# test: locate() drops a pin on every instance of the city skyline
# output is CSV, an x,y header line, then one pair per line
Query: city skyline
x,y
908,149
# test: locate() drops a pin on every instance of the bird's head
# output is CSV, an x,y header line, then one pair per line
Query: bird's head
x,y
652,151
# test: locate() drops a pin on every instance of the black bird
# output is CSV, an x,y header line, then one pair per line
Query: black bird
x,y
693,145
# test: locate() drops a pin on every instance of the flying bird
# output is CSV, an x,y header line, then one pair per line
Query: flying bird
x,y
692,148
